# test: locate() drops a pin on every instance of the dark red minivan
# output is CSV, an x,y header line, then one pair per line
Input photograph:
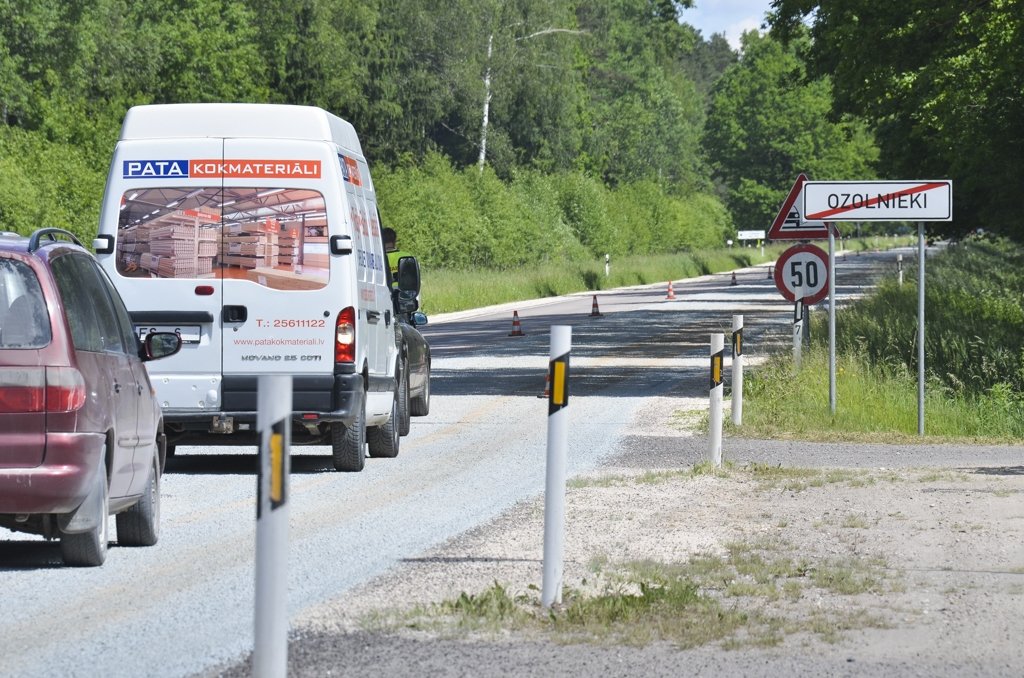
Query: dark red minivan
x,y
81,434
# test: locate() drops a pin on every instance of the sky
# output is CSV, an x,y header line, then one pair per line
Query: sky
x,y
732,17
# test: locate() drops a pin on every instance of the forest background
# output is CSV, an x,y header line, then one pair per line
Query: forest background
x,y
522,132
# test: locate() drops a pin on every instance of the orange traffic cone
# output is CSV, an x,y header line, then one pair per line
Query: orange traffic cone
x,y
547,386
733,278
671,291
595,312
517,329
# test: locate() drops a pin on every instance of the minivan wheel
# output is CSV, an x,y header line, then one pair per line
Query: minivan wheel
x,y
348,443
384,439
89,549
419,405
140,525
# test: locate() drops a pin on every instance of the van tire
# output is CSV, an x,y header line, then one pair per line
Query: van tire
x,y
419,406
384,440
140,524
404,415
89,549
348,443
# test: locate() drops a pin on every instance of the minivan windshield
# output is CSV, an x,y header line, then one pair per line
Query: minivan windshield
x,y
24,322
276,237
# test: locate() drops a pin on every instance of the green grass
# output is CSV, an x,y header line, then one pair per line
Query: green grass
x,y
448,290
873,404
456,290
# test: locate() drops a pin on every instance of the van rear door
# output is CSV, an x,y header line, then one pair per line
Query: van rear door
x,y
167,239
281,203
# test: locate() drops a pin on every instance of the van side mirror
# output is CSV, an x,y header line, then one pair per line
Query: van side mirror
x,y
409,275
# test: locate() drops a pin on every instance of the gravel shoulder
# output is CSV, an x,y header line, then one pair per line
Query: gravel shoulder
x,y
935,532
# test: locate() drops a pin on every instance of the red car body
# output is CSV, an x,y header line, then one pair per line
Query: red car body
x,y
81,434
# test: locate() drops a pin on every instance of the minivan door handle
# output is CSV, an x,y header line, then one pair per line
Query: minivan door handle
x,y
373,316
235,314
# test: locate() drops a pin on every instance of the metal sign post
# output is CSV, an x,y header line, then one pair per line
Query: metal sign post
x,y
274,411
920,328
798,328
554,486
832,320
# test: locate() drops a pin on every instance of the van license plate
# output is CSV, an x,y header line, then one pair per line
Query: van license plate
x,y
189,333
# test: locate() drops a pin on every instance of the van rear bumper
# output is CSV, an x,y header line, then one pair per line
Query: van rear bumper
x,y
331,398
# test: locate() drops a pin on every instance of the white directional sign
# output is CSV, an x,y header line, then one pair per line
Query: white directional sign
x,y
920,200
750,235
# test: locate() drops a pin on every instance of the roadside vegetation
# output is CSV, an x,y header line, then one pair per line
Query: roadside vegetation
x,y
742,598
974,359
447,290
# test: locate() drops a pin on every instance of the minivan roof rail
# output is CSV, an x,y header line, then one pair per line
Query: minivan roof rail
x,y
51,234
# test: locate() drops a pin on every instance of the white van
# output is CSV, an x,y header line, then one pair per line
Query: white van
x,y
252,231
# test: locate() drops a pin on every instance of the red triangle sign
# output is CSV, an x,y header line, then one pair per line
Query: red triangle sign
x,y
790,225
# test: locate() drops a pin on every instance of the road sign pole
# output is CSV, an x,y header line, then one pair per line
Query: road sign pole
x,y
832,321
554,486
717,386
798,327
274,410
920,328
737,370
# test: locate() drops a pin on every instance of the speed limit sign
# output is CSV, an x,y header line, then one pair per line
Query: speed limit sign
x,y
805,268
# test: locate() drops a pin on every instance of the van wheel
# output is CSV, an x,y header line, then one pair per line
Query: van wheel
x,y
419,405
348,443
89,549
404,416
384,439
140,525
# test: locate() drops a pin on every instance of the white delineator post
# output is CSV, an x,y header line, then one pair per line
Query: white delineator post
x,y
274,410
554,485
737,370
717,386
899,270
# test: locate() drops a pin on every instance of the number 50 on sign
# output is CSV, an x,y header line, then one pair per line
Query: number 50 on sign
x,y
804,269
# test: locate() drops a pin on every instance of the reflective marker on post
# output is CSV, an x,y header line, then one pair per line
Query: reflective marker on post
x,y
554,487
715,419
737,370
274,409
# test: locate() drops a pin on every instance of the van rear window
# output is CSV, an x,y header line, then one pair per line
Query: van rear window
x,y
276,237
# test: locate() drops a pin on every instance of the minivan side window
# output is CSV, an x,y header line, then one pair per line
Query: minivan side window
x,y
89,311
23,319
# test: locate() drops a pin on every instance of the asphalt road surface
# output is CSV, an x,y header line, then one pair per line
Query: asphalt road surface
x,y
186,604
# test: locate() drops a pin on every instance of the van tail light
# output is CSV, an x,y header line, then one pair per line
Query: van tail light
x,y
65,389
41,389
345,336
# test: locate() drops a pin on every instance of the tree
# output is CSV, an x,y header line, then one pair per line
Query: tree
x,y
943,84
768,122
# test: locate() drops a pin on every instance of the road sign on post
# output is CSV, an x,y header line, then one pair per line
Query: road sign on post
x,y
921,200
803,267
790,225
